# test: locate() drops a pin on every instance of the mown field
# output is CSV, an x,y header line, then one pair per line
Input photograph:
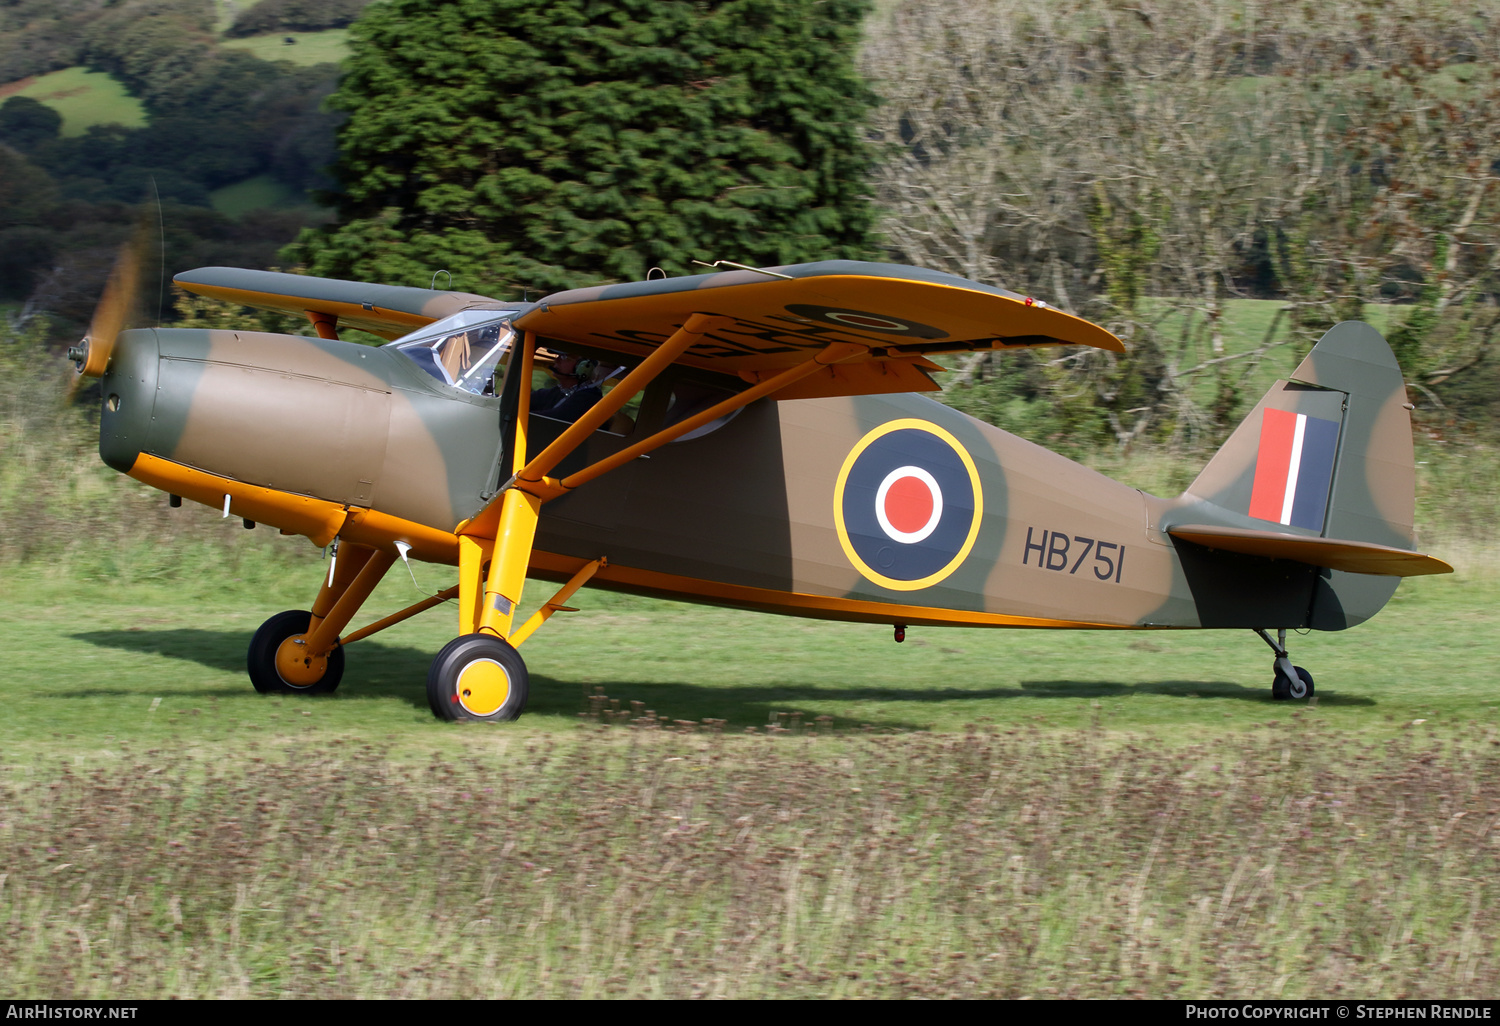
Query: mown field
x,y
303,48
703,802
256,193
710,803
84,99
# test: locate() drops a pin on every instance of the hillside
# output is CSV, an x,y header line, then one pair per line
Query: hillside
x,y
105,105
1153,170
82,98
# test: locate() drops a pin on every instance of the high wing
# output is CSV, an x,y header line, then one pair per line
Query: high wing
x,y
780,315
783,314
389,311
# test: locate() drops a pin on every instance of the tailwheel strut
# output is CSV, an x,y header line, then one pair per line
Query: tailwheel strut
x,y
1289,682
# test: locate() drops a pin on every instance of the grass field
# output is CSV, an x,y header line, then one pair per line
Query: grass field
x,y
84,99
1246,325
327,47
704,802
182,640
255,194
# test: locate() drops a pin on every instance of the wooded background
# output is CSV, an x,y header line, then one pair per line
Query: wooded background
x,y
1143,164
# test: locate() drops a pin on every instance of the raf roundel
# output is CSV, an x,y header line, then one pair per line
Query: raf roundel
x,y
907,505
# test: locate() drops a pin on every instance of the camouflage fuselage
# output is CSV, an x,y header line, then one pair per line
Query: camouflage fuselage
x,y
754,513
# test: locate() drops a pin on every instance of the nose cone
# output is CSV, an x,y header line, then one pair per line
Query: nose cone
x,y
129,391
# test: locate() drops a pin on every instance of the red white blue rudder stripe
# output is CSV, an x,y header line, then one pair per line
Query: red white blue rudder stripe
x,y
1294,469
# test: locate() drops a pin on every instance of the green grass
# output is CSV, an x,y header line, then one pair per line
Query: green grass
x,y
1128,815
326,47
86,98
224,15
256,193
1248,324
91,648
705,802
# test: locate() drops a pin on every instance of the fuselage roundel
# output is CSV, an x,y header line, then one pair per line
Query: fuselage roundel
x,y
907,504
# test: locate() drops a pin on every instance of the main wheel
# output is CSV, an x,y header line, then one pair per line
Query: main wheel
x,y
478,677
1283,688
278,666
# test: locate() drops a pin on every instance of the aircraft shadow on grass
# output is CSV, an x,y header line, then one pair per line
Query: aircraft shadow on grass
x,y
398,672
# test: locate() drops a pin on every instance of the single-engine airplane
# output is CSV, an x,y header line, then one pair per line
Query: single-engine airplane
x,y
760,446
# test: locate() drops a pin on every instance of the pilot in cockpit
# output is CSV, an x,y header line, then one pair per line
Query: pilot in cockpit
x,y
576,390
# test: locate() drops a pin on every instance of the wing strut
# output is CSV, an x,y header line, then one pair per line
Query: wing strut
x,y
600,413
501,535
833,354
495,545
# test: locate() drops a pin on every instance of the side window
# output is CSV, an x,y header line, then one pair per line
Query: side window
x,y
692,397
565,387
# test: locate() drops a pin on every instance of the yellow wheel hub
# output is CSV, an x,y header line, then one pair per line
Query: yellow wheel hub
x,y
483,687
296,666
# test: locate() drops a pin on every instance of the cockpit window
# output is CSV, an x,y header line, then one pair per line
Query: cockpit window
x,y
463,350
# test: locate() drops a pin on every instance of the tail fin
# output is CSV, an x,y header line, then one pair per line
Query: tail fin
x,y
1326,454
1328,451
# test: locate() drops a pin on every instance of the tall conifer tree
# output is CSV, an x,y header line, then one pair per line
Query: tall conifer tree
x,y
552,143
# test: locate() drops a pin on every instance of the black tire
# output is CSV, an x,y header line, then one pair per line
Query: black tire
x,y
260,661
1283,689
498,692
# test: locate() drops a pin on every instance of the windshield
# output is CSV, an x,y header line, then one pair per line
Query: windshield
x,y
463,350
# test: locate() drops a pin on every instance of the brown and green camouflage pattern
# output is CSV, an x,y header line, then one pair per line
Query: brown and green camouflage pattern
x,y
750,503
385,310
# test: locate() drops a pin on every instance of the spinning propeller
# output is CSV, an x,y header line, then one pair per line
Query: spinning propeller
x,y
91,356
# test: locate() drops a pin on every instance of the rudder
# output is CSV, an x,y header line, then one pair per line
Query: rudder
x,y
1326,453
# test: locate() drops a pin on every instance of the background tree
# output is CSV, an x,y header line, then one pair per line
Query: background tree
x,y
548,143
217,117
26,124
295,16
1143,164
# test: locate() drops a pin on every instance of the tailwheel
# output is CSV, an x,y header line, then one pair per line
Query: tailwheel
x,y
279,664
1284,687
478,677
1290,681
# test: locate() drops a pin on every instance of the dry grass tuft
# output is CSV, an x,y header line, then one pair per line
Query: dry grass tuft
x,y
652,862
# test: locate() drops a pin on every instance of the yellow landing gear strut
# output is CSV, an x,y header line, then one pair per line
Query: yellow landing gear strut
x,y
299,651
480,675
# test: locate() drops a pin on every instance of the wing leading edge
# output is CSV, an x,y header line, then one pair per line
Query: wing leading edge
x,y
902,315
775,318
389,311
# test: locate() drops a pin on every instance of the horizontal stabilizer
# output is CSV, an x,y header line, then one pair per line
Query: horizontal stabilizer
x,y
1350,556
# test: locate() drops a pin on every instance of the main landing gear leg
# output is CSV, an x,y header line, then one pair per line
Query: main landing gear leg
x,y
479,675
1290,681
298,652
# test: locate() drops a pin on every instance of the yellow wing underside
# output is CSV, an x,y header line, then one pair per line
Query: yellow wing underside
x,y
778,323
